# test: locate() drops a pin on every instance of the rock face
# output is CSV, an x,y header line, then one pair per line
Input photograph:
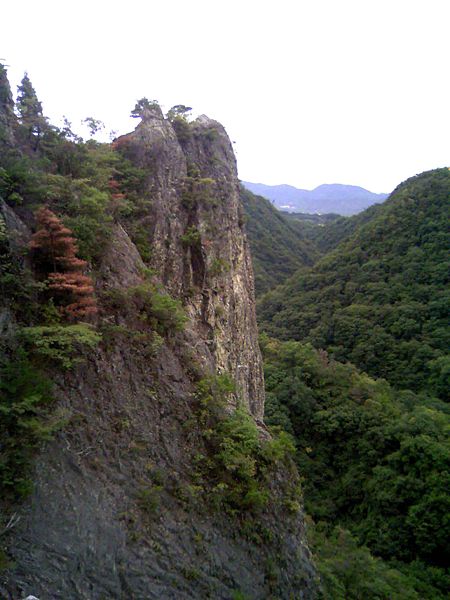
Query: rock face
x,y
195,228
114,512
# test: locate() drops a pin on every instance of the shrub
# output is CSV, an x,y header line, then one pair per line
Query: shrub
x,y
61,344
238,460
280,447
218,266
149,499
182,129
191,238
141,239
211,134
168,312
25,396
160,310
197,189
238,595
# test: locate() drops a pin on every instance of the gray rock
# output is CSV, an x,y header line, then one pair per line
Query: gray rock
x,y
98,525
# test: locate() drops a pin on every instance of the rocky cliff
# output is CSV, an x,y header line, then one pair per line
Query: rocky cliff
x,y
195,225
118,509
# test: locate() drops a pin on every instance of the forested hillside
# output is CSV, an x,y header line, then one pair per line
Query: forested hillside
x,y
380,299
372,439
375,465
278,248
328,231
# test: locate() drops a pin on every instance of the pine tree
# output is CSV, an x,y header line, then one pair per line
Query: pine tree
x,y
75,291
7,116
54,250
31,117
53,243
144,106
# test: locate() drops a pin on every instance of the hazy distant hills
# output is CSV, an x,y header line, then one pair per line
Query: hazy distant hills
x,y
327,198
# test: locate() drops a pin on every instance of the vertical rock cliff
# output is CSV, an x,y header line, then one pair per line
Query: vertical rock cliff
x,y
195,228
117,510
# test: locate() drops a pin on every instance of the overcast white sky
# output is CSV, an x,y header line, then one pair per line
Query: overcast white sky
x,y
311,91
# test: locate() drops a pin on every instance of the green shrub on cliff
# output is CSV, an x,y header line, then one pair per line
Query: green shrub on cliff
x,y
161,311
62,344
25,396
191,238
238,461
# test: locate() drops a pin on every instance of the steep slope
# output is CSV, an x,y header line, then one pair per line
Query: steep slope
x,y
329,235
376,466
278,250
326,198
152,485
380,299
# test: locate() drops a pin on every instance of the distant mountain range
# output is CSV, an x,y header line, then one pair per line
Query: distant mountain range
x,y
335,198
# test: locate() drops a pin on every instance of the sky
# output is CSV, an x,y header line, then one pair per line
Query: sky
x,y
310,91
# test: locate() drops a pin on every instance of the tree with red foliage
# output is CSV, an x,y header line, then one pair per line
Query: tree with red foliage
x,y
53,244
77,291
54,249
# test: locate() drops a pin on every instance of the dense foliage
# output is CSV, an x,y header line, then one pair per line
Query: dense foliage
x,y
44,165
278,250
374,460
329,230
381,298
25,421
237,466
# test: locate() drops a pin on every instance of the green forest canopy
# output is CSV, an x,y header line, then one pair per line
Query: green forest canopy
x,y
376,469
380,299
278,248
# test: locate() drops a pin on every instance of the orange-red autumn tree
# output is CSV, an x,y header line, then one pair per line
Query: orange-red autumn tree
x,y
54,250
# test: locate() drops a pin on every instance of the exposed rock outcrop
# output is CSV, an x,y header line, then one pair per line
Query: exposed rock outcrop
x,y
194,192
115,510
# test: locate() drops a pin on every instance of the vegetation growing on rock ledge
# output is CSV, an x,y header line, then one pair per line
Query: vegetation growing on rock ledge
x,y
25,421
238,463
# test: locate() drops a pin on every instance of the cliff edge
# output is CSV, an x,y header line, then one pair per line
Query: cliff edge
x,y
129,500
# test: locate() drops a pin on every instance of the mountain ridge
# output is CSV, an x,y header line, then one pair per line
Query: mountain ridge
x,y
342,199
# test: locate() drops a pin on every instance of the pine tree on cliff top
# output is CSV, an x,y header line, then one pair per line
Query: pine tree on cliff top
x,y
31,118
7,116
